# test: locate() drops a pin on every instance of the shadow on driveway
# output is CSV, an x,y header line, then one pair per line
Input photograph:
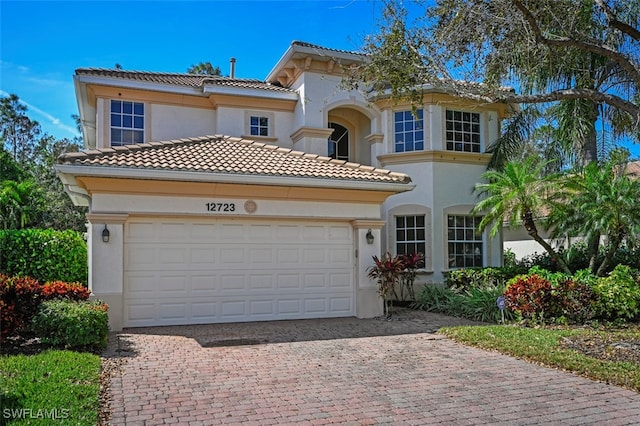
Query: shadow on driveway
x,y
403,321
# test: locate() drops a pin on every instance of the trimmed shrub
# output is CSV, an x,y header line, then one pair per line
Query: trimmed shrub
x,y
543,296
618,294
529,296
19,301
461,280
573,301
44,254
72,325
20,298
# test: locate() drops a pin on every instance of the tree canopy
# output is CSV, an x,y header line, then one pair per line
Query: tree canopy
x,y
204,68
583,55
31,195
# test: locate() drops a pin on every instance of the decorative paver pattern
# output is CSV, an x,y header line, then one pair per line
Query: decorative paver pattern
x,y
344,371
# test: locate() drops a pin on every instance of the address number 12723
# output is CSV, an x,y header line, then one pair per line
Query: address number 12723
x,y
221,207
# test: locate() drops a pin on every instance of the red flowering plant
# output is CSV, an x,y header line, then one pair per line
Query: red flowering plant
x,y
412,262
387,272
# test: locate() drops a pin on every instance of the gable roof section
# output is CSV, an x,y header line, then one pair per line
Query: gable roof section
x,y
222,155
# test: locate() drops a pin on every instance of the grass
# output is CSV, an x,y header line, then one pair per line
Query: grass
x,y
54,386
543,346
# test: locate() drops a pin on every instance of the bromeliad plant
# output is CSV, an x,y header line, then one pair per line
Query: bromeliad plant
x,y
393,271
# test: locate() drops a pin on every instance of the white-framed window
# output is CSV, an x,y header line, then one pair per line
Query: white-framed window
x,y
408,130
259,126
463,131
411,234
126,122
338,145
465,245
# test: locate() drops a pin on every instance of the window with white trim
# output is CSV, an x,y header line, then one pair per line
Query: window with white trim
x,y
464,244
463,131
410,234
409,130
126,122
258,126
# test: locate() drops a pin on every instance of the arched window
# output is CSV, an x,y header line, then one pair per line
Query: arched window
x,y
339,142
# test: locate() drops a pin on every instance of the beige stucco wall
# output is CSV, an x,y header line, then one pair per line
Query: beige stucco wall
x,y
167,122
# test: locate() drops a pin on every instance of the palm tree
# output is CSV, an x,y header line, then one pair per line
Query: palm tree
x,y
16,203
600,201
518,195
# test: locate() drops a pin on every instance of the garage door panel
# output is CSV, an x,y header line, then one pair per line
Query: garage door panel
x,y
172,255
202,256
202,232
232,283
204,271
289,307
339,280
261,255
261,282
232,255
341,304
232,232
265,307
204,311
172,311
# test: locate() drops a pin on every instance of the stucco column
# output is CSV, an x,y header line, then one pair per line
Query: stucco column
x,y
368,302
106,263
313,140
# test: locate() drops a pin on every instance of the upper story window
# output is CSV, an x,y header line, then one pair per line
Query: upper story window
x,y
463,131
127,122
464,245
409,130
259,126
410,234
339,142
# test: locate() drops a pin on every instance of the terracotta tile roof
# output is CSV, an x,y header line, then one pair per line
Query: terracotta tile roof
x,y
227,155
315,46
179,79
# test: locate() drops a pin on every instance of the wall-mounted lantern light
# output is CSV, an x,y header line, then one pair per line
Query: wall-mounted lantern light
x,y
105,234
369,237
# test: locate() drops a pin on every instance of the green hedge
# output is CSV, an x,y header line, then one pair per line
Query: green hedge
x,y
460,280
44,254
72,325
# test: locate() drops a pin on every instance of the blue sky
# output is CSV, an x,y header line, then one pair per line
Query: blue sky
x,y
43,42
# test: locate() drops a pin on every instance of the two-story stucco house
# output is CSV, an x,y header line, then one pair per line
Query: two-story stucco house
x,y
216,199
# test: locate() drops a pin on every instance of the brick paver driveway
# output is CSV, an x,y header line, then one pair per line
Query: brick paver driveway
x,y
343,371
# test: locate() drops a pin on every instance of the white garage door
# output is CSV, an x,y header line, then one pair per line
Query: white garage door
x,y
225,270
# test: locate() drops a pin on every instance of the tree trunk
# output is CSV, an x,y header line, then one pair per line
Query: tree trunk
x,y
532,230
593,246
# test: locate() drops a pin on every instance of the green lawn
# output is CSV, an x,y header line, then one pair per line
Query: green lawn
x,y
53,387
543,345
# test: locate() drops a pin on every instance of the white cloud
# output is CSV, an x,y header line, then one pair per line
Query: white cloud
x,y
50,118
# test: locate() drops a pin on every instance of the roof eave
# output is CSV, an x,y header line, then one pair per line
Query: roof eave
x,y
212,89
73,170
135,84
